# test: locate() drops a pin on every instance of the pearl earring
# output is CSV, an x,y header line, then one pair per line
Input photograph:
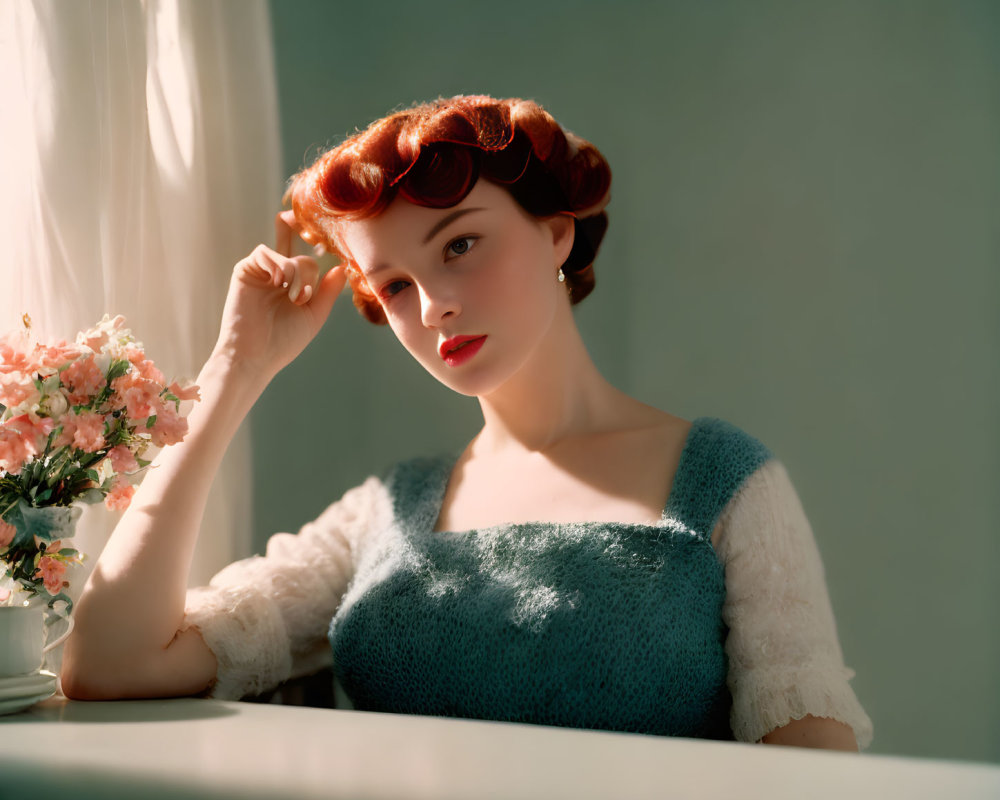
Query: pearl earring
x,y
561,276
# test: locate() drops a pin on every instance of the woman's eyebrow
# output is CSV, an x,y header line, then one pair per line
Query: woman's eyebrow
x,y
443,223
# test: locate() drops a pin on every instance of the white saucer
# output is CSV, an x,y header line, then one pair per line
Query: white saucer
x,y
15,704
27,685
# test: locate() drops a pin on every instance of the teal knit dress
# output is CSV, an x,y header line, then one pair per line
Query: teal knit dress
x,y
586,625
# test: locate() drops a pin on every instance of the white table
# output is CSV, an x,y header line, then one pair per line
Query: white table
x,y
191,748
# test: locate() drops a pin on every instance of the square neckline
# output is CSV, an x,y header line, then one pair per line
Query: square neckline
x,y
667,518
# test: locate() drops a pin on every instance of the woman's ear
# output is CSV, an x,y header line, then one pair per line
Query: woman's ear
x,y
563,228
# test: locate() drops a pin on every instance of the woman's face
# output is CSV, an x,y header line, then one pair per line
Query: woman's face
x,y
469,290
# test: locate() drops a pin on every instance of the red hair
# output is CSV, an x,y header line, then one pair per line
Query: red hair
x,y
432,155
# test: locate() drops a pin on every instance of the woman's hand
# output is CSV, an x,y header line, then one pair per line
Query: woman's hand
x,y
276,304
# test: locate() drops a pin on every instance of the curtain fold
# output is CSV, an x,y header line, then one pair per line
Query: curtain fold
x,y
139,160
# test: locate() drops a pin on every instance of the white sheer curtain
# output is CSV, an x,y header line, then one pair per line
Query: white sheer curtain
x,y
139,160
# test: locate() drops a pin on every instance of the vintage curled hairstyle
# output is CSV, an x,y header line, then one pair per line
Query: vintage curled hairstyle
x,y
433,154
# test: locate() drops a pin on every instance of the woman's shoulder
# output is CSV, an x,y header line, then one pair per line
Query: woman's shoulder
x,y
417,472
717,460
726,443
414,486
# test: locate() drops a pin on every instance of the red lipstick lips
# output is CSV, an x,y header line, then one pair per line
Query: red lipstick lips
x,y
459,349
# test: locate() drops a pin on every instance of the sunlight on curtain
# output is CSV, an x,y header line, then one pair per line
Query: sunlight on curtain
x,y
139,160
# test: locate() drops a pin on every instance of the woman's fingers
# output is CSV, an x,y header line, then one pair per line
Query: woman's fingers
x,y
257,266
284,233
287,229
304,275
297,276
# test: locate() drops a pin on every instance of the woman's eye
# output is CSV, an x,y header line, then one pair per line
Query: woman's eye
x,y
391,289
460,246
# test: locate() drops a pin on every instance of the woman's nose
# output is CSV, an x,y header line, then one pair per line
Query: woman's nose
x,y
436,304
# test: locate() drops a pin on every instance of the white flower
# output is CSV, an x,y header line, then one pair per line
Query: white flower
x,y
103,362
104,469
108,336
55,404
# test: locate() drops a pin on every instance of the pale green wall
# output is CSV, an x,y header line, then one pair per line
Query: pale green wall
x,y
803,241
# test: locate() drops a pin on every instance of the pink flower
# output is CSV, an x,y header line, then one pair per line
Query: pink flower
x,y
20,439
48,358
143,366
17,388
7,532
170,427
122,459
51,571
120,496
15,449
65,439
13,357
191,392
137,394
89,434
48,547
84,377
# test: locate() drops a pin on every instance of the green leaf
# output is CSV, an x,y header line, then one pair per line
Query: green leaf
x,y
53,435
93,475
118,368
89,459
91,496
151,421
170,397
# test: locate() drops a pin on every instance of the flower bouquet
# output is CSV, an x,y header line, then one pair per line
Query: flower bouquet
x,y
76,421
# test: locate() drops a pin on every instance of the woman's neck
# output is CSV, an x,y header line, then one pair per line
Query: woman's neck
x,y
557,395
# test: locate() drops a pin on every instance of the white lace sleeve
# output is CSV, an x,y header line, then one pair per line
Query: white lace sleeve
x,y
266,617
785,660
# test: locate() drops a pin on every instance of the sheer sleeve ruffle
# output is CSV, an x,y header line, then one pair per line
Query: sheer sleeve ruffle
x,y
785,660
266,617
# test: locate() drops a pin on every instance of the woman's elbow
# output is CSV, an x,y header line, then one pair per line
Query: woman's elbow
x,y
183,668
821,732
78,681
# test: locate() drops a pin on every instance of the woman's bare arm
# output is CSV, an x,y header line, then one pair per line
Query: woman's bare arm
x,y
127,641
810,731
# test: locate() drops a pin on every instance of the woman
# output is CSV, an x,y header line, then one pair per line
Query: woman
x,y
587,560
